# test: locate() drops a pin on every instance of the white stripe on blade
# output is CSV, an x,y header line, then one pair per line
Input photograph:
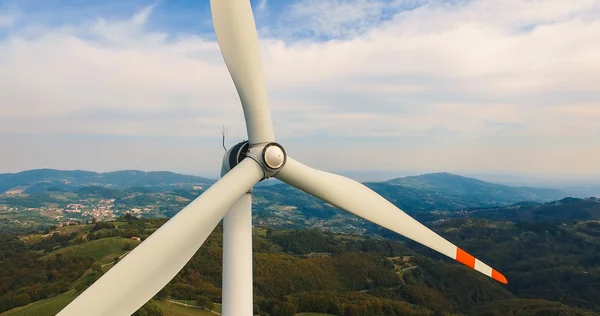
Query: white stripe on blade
x,y
483,268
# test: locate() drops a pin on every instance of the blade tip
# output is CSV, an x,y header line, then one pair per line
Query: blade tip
x,y
499,277
468,260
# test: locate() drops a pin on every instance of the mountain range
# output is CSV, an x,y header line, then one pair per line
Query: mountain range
x,y
449,184
37,180
434,184
37,197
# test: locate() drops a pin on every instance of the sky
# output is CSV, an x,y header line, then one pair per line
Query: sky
x,y
480,87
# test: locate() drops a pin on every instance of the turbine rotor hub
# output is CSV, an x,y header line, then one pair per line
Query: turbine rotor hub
x,y
270,156
273,156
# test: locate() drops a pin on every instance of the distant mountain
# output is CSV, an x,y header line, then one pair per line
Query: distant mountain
x,y
418,196
584,191
565,210
429,191
38,180
474,190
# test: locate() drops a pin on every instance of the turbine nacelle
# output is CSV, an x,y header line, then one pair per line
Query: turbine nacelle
x,y
270,156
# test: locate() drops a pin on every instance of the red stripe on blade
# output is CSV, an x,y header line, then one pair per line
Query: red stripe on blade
x,y
465,258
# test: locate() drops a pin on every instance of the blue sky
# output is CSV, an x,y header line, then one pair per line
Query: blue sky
x,y
471,87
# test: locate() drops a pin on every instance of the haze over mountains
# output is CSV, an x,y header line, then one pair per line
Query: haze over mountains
x,y
436,183
46,197
40,179
449,184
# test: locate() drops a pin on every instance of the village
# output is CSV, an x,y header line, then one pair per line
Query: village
x,y
84,211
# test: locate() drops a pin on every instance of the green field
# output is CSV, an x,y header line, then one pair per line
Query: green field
x,y
103,250
180,310
259,231
49,307
216,306
52,306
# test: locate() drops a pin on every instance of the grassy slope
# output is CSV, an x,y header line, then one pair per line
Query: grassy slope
x,y
52,306
103,250
48,307
218,308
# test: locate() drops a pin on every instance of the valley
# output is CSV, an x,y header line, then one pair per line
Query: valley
x,y
310,258
42,198
551,268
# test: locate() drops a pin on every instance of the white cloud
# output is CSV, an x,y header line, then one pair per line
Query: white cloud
x,y
504,71
141,17
583,111
337,18
6,21
262,5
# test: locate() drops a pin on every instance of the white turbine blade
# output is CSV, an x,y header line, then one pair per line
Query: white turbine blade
x,y
236,33
237,259
151,265
358,199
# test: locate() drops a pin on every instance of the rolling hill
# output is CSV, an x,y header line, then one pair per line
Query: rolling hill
x,y
429,186
42,197
552,268
546,244
51,306
33,181
474,190
564,210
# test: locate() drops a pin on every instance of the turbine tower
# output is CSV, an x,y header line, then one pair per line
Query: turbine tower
x,y
151,265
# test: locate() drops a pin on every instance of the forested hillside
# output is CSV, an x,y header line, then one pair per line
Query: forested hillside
x,y
565,210
552,269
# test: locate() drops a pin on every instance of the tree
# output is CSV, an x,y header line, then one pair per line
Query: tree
x,y
128,217
97,268
335,308
149,309
204,302
81,287
286,308
162,294
21,299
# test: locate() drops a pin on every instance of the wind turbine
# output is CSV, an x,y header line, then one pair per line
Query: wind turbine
x,y
151,265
